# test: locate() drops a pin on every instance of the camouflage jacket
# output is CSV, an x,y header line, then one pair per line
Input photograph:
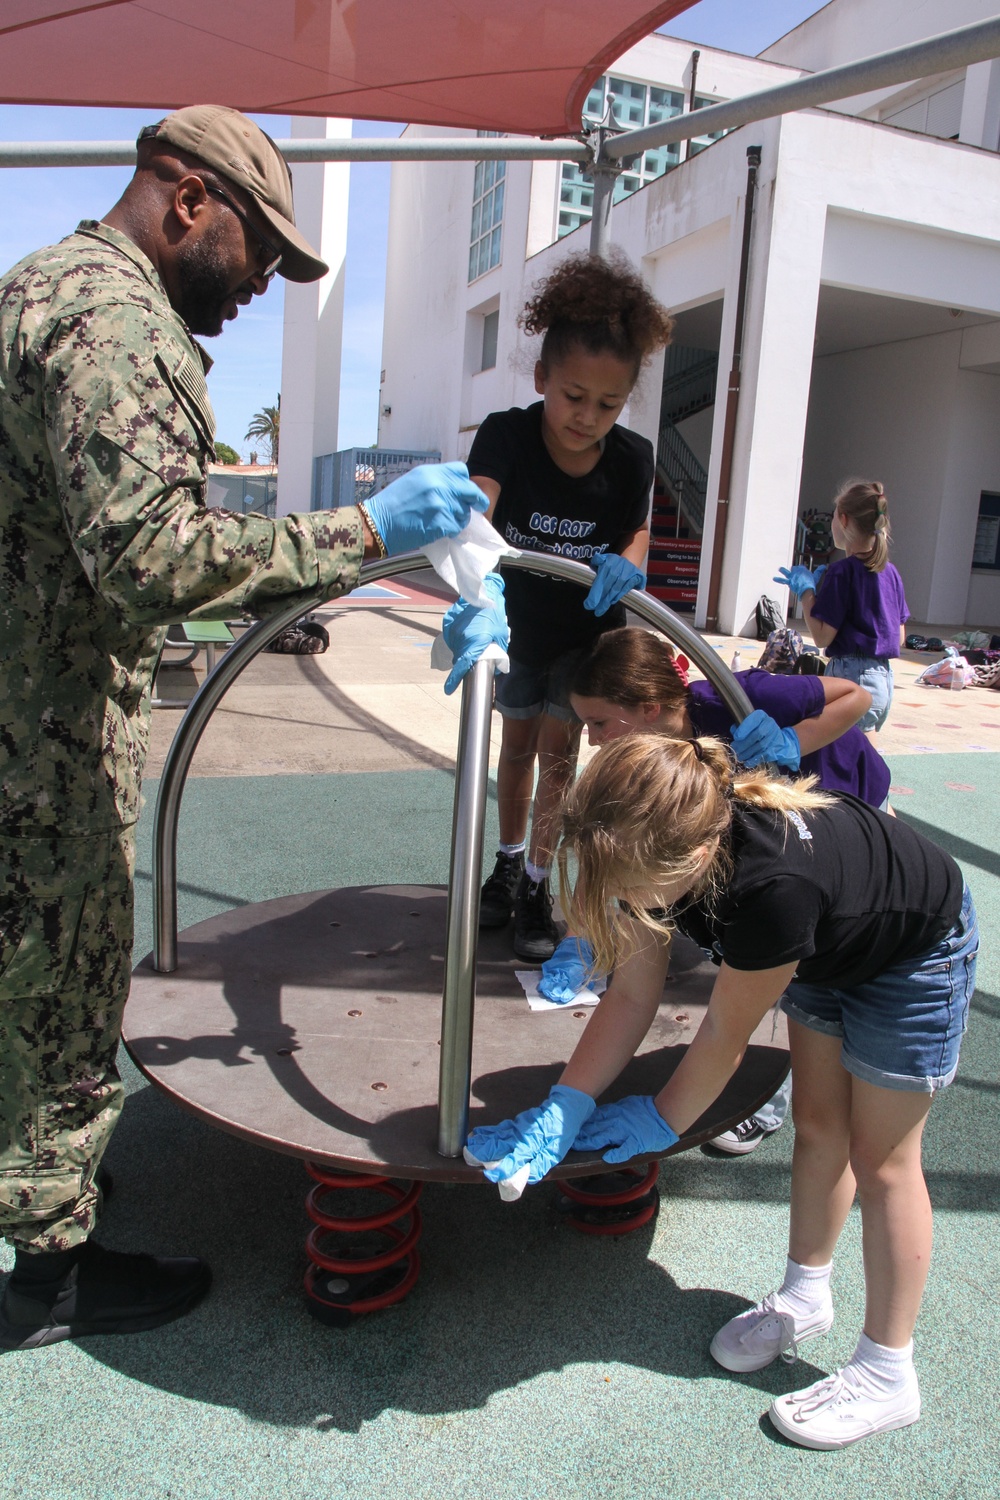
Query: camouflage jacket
x,y
105,432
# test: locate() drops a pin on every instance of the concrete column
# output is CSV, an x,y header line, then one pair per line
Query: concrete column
x,y
314,321
780,321
980,124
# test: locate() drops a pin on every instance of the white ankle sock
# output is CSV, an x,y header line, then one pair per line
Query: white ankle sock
x,y
805,1288
511,849
536,873
883,1371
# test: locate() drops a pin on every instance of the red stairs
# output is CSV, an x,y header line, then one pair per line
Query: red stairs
x,y
674,555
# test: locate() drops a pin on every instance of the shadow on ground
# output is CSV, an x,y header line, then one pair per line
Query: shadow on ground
x,y
507,1292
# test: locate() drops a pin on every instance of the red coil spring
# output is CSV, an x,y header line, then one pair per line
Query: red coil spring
x,y
597,1212
342,1281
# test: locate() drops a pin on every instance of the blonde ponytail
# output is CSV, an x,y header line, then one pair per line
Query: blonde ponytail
x,y
863,504
649,813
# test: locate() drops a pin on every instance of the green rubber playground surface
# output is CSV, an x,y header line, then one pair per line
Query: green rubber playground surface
x,y
530,1362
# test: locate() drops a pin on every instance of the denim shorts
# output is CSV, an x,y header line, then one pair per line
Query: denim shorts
x,y
902,1029
874,674
524,691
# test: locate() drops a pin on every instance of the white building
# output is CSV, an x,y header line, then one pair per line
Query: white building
x,y
872,334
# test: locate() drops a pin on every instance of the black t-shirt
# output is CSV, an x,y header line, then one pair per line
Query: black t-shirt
x,y
542,509
845,890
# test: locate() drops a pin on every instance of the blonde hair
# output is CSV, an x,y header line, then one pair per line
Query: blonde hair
x,y
863,503
642,817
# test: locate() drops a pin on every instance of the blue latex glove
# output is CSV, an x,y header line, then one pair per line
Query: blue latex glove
x,y
468,630
818,573
798,579
430,502
632,1127
616,576
541,1136
567,970
759,739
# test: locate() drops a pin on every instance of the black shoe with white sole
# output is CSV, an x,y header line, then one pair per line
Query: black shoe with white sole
x,y
743,1138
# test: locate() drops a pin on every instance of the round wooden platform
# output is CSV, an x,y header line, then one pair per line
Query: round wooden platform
x,y
310,1025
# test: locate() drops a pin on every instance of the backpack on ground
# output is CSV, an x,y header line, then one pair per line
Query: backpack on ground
x,y
810,664
769,617
307,637
783,651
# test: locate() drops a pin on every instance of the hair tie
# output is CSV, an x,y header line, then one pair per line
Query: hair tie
x,y
698,751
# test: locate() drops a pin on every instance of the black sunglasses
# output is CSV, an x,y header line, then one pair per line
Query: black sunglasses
x,y
266,271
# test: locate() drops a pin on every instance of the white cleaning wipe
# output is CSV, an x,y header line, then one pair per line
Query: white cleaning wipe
x,y
512,1187
463,561
529,979
443,661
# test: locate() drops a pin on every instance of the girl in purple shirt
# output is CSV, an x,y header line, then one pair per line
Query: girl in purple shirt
x,y
856,608
630,682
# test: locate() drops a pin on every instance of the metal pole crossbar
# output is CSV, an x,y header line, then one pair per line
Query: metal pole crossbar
x,y
937,54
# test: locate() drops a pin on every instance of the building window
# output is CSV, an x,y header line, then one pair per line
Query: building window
x,y
491,331
487,214
635,105
986,553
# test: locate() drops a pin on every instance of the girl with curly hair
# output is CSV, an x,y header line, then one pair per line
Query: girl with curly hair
x,y
563,477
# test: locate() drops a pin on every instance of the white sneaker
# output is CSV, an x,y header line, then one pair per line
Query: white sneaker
x,y
756,1337
837,1411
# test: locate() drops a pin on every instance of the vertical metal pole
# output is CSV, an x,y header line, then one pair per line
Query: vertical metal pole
x,y
600,221
692,96
732,398
471,775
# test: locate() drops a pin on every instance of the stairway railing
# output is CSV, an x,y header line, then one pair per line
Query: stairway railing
x,y
683,475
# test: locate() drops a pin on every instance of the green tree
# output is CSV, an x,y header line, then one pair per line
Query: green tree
x,y
226,455
264,426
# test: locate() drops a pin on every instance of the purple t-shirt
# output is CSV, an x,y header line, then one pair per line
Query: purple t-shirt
x,y
866,609
849,764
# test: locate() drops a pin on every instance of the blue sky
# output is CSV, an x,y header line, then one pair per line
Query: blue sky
x,y
40,205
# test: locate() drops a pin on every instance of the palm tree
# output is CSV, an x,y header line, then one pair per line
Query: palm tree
x,y
264,424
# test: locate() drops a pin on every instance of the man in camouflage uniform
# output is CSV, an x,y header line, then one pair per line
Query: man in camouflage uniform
x,y
105,432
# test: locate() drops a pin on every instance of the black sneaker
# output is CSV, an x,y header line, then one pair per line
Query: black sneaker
x,y
496,900
535,934
88,1290
743,1138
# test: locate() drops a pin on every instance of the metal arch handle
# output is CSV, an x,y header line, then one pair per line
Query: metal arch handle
x,y
239,656
471,777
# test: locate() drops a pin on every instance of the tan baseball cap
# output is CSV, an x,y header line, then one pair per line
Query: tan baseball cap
x,y
239,150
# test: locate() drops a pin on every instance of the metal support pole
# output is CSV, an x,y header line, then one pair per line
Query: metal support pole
x,y
600,221
458,1005
692,96
938,54
732,399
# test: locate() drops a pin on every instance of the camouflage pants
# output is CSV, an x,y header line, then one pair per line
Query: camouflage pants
x,y
65,966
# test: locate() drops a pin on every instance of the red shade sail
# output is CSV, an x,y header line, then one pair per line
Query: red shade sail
x,y
523,66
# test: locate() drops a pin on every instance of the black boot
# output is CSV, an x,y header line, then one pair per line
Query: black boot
x,y
69,1294
496,900
535,934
